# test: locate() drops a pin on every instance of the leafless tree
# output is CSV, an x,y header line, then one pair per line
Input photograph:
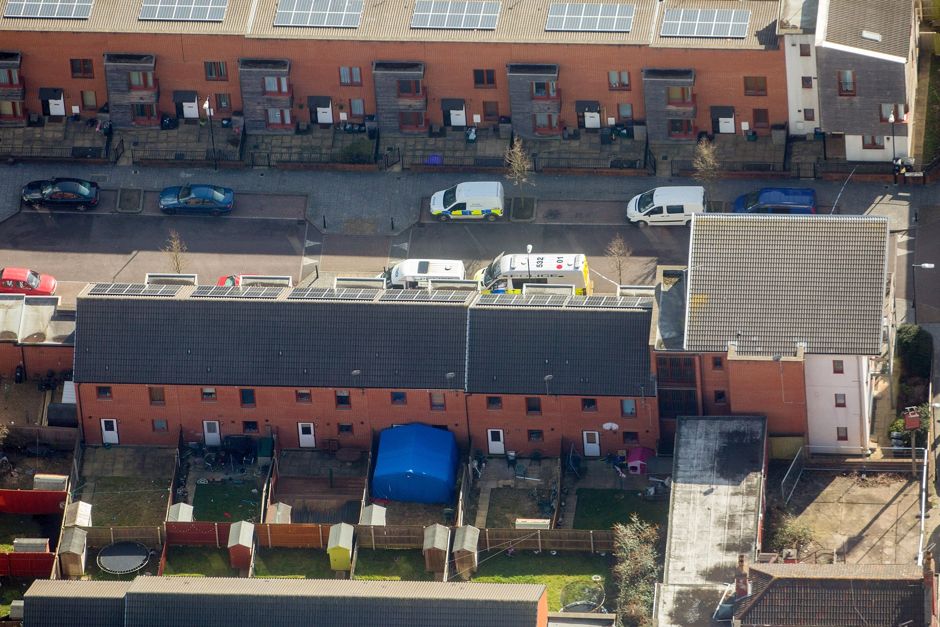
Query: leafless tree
x,y
617,253
706,166
175,249
518,163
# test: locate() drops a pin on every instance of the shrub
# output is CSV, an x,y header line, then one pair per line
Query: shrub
x,y
360,151
636,571
915,348
898,426
788,532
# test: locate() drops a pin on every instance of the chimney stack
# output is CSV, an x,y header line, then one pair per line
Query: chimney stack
x,y
741,584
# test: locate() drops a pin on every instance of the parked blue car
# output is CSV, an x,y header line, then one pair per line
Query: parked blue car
x,y
204,199
786,200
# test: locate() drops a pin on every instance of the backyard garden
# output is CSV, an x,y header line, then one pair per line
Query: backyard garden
x,y
228,501
198,561
293,564
603,508
391,565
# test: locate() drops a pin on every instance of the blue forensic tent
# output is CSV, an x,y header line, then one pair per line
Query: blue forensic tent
x,y
416,464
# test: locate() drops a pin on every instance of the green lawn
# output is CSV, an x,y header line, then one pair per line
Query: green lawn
x,y
93,573
555,572
12,589
17,526
109,500
293,564
600,509
391,565
198,561
227,502
932,123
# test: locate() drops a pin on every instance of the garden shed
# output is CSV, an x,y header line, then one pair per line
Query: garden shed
x,y
637,458
241,536
278,514
180,512
72,552
373,515
340,546
77,514
415,464
434,549
466,540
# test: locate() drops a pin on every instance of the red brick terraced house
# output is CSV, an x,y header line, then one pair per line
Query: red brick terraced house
x,y
680,66
320,367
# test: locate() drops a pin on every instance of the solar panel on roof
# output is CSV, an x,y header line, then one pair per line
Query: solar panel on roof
x,y
50,9
520,300
715,23
133,289
607,302
236,291
424,296
448,14
590,17
322,293
184,10
319,13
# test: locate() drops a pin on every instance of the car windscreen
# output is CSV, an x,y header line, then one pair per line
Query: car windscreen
x,y
450,196
645,201
185,192
33,279
216,194
751,199
75,187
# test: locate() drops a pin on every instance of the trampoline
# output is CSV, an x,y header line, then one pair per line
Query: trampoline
x,y
123,558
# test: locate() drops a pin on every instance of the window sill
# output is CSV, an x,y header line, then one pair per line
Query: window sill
x,y
533,413
344,407
217,80
484,86
758,94
350,84
157,403
612,88
252,406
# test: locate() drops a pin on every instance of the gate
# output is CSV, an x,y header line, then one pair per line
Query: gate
x,y
260,159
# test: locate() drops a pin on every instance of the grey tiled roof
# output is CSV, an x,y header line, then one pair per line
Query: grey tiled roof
x,y
891,19
64,603
173,601
277,343
843,595
602,352
769,282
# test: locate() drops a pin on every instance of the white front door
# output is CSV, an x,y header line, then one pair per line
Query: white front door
x,y
458,117
592,444
109,432
726,125
495,439
57,107
592,119
191,110
210,433
325,115
306,435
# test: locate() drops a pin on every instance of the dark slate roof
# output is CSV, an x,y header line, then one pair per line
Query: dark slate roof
x,y
64,603
602,351
269,343
834,595
173,601
770,282
892,19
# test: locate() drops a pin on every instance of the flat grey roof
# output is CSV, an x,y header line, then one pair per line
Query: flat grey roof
x,y
714,512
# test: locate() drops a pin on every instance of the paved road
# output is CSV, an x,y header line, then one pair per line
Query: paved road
x,y
360,222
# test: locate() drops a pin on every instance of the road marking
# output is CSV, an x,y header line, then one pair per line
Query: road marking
x,y
404,246
605,278
308,261
309,244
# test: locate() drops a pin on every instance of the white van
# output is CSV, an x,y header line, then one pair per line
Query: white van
x,y
469,200
666,205
415,273
508,273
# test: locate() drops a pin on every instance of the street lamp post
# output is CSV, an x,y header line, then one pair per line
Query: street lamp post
x,y
208,110
915,266
892,119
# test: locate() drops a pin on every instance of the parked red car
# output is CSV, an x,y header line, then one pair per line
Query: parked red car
x,y
25,281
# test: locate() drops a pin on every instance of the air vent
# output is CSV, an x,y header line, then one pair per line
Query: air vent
x,y
871,36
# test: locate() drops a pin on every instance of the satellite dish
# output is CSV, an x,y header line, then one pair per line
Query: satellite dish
x,y
611,426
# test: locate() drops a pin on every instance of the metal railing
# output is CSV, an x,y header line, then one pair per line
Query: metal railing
x,y
600,162
173,154
859,167
680,167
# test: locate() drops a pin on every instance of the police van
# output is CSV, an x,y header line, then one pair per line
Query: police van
x,y
469,200
508,273
415,273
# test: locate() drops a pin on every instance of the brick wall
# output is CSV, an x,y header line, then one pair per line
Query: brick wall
x,y
775,389
277,410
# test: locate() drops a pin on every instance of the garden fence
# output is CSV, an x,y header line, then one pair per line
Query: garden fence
x,y
583,540
198,533
293,536
37,565
152,537
390,537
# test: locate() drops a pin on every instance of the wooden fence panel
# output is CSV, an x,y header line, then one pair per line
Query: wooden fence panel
x,y
99,537
390,537
293,536
198,533
582,540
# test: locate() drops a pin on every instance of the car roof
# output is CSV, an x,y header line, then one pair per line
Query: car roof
x,y
14,274
787,195
83,182
479,188
673,194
